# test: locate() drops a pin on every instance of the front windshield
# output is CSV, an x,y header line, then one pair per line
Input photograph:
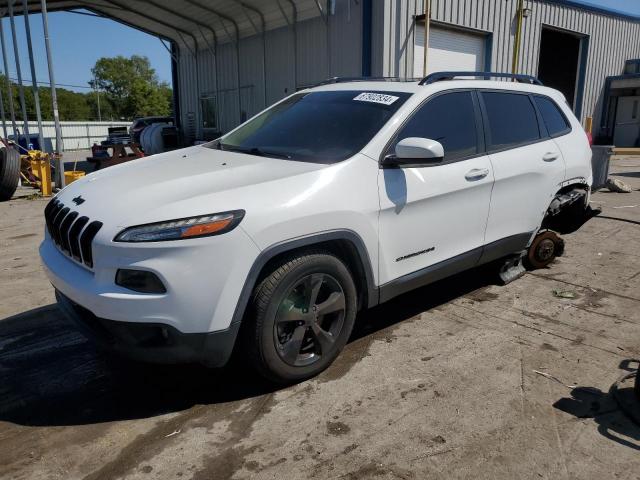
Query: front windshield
x,y
320,127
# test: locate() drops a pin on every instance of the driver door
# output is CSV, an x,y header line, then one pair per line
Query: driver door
x,y
433,218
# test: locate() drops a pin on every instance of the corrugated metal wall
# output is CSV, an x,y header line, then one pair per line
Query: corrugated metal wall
x,y
75,135
295,57
313,50
612,39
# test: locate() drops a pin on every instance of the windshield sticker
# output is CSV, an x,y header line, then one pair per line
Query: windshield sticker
x,y
376,98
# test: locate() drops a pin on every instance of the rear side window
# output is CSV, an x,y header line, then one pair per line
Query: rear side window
x,y
553,118
448,119
512,120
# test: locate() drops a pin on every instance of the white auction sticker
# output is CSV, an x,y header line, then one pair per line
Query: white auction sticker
x,y
376,98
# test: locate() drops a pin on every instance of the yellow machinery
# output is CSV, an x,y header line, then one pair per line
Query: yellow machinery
x,y
36,170
72,176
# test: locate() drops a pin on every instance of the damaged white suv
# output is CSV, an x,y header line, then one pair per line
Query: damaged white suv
x,y
340,197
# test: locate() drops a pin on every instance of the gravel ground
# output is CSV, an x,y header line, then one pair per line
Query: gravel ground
x,y
439,383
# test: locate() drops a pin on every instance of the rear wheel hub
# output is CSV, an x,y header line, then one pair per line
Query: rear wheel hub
x,y
544,249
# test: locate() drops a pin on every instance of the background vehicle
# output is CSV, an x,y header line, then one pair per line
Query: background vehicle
x,y
139,124
335,199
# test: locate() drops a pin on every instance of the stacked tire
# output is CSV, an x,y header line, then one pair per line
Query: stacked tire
x,y
9,172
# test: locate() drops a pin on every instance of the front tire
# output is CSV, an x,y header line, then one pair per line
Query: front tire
x,y
301,316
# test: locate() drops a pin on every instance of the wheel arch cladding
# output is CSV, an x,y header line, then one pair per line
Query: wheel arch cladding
x,y
344,244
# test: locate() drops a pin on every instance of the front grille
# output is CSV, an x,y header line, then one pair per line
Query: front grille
x,y
71,234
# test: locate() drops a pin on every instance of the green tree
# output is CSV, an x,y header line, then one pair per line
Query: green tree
x,y
71,105
105,111
131,87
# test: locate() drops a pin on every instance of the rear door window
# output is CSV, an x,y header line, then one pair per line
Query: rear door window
x,y
512,120
553,118
449,119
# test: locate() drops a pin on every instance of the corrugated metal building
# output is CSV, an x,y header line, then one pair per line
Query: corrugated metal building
x,y
568,45
234,57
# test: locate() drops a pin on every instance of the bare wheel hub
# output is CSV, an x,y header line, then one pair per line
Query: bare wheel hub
x,y
544,249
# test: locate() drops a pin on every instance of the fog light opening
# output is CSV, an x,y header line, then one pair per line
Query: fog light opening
x,y
140,281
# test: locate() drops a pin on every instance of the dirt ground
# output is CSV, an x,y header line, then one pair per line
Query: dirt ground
x,y
439,383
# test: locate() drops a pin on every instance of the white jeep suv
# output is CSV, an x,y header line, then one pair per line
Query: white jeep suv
x,y
337,198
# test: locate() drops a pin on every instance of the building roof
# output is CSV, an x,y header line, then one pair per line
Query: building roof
x,y
207,23
204,23
595,8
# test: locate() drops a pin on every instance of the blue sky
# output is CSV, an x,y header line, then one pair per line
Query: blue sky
x,y
626,6
79,40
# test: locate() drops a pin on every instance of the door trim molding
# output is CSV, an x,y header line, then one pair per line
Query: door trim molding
x,y
451,266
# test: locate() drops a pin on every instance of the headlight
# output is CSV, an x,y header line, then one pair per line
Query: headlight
x,y
182,228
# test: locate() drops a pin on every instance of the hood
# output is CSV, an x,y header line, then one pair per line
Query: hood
x,y
183,182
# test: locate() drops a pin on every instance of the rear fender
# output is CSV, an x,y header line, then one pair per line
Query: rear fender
x,y
569,209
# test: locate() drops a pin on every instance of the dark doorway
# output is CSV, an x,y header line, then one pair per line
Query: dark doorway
x,y
559,62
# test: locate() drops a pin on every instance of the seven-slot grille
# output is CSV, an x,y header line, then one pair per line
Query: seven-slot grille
x,y
72,234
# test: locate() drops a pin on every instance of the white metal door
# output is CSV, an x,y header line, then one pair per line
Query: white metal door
x,y
627,130
449,49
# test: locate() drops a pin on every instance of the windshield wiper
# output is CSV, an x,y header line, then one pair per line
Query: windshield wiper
x,y
254,151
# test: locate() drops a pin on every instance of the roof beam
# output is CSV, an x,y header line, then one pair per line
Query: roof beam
x,y
220,16
182,16
150,18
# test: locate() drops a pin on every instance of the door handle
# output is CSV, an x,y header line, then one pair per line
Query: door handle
x,y
476,174
550,156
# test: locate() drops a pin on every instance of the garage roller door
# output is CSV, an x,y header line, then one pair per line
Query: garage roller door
x,y
449,50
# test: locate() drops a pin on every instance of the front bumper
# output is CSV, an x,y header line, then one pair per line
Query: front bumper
x,y
152,342
203,279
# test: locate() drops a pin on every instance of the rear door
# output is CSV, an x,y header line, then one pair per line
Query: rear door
x,y
573,144
432,214
528,167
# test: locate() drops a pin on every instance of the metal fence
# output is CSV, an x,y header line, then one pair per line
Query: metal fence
x,y
75,135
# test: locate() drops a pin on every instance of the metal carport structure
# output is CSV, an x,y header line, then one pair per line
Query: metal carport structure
x,y
240,54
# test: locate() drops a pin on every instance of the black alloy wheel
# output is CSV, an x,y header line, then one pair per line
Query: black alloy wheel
x,y
300,317
309,319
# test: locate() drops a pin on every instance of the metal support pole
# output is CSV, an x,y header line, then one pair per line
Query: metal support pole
x,y
54,96
293,24
4,122
427,26
263,32
97,89
98,100
240,120
518,35
16,54
12,110
34,82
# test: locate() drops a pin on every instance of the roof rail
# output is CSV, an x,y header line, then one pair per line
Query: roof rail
x,y
329,81
440,76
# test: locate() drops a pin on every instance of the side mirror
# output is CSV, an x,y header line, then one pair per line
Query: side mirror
x,y
415,152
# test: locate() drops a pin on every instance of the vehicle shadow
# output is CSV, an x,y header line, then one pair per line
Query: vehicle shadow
x,y
615,412
50,375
